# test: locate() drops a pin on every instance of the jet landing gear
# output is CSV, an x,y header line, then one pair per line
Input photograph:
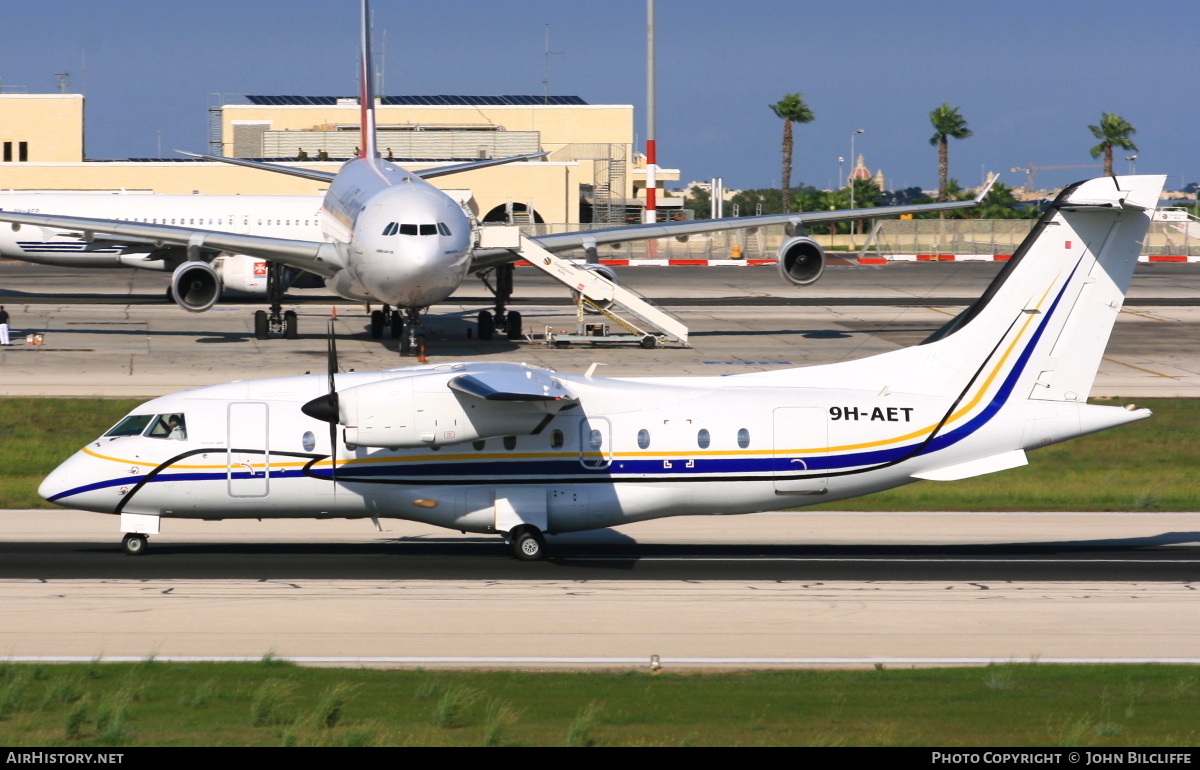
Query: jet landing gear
x,y
133,544
410,338
528,543
277,321
507,322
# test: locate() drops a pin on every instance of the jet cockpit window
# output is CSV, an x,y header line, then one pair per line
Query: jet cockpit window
x,y
391,228
428,229
170,426
443,229
408,229
133,425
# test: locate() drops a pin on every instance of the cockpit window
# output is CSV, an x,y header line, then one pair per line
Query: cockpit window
x,y
443,229
408,229
428,229
169,426
133,425
391,228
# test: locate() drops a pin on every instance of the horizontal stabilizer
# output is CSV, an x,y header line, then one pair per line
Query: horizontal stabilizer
x,y
1000,462
510,385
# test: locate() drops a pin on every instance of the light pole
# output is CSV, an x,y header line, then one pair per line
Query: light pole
x,y
1132,164
853,166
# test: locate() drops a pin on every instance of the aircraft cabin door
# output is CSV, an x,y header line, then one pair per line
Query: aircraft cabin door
x,y
801,435
248,457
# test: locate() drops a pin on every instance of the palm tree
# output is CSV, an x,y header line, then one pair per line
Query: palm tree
x,y
947,124
791,109
1113,131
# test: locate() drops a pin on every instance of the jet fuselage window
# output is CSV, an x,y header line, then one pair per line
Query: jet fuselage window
x,y
133,425
170,426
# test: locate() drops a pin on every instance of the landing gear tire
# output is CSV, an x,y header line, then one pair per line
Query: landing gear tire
x,y
376,324
260,324
290,325
649,342
396,328
487,325
512,325
529,545
133,544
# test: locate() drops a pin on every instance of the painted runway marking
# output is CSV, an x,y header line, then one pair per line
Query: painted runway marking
x,y
1140,369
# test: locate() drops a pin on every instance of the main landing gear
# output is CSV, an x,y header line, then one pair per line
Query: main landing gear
x,y
506,322
528,543
133,544
276,321
393,322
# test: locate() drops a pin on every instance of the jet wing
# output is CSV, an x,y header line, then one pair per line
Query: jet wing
x,y
327,176
485,258
319,257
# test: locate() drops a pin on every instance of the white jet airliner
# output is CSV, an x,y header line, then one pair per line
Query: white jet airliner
x,y
521,451
380,234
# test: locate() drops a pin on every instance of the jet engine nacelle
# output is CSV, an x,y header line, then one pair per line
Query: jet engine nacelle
x,y
242,273
605,271
422,411
195,286
801,261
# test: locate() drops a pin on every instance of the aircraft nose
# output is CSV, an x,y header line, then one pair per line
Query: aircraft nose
x,y
55,484
73,484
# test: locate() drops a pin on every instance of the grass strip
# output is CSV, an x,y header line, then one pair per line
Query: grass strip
x,y
273,703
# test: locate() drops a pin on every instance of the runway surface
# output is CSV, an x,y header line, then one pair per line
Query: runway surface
x,y
765,590
794,589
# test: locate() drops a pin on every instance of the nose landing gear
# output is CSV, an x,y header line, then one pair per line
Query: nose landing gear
x,y
500,319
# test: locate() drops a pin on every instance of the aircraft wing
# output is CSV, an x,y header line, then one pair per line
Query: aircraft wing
x,y
327,176
485,258
319,257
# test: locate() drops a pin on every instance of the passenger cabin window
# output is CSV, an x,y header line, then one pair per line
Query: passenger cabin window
x,y
743,438
556,439
170,426
133,425
703,439
643,439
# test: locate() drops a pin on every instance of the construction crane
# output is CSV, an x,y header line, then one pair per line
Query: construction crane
x,y
1030,168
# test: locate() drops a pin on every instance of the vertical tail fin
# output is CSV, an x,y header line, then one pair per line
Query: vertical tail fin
x,y
1048,315
366,92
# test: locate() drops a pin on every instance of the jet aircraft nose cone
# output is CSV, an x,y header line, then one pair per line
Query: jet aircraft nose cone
x,y
323,408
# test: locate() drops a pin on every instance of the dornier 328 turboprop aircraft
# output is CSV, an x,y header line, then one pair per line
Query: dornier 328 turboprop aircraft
x,y
521,451
380,234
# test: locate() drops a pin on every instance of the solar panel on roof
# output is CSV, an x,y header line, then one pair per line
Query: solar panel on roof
x,y
418,99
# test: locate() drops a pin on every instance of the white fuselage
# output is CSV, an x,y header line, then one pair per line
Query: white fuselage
x,y
407,244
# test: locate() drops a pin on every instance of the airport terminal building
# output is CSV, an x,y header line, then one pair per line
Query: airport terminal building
x,y
591,174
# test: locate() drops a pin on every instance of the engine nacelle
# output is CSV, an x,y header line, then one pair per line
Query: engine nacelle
x,y
195,286
801,261
242,273
605,271
422,411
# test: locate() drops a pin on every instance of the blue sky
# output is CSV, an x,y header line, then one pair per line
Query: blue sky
x,y
1028,76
